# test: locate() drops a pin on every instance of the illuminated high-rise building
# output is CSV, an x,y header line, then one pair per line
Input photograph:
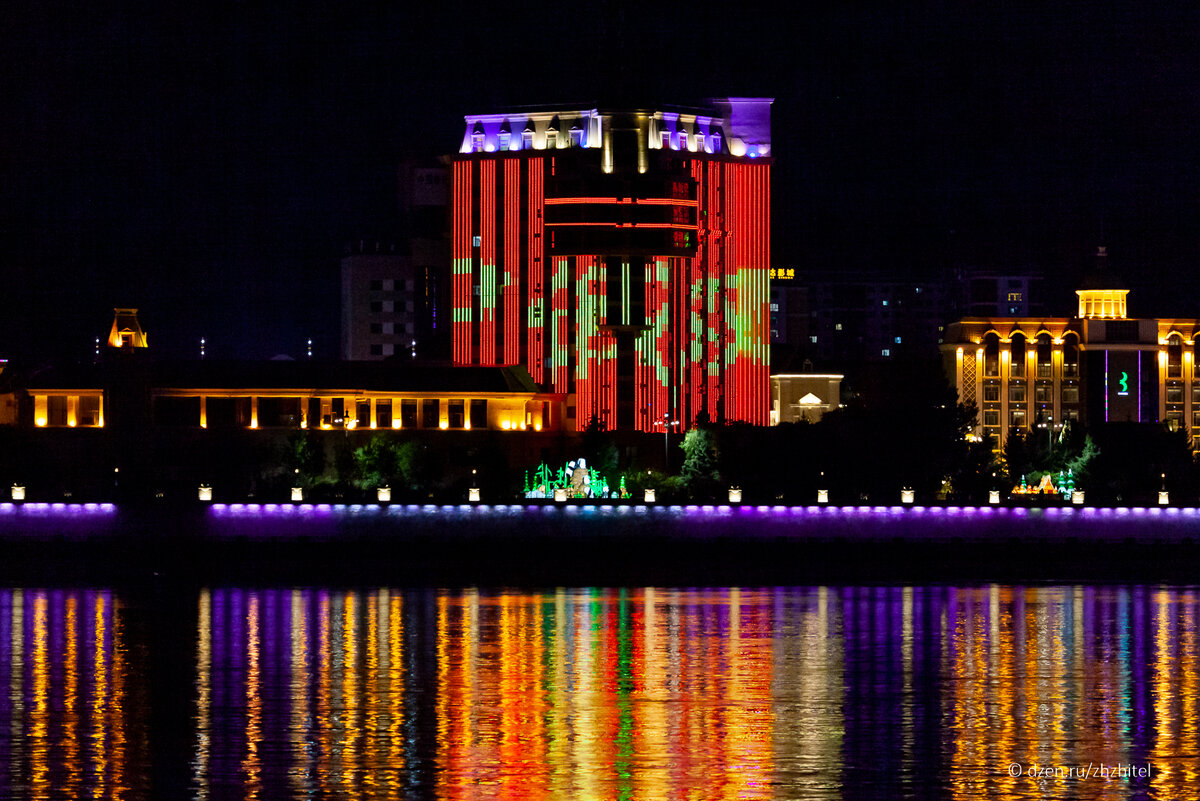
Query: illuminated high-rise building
x,y
621,255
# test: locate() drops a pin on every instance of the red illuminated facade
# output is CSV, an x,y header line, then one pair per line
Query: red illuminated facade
x,y
621,256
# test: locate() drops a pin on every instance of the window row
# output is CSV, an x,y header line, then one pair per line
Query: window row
x,y
348,413
1042,393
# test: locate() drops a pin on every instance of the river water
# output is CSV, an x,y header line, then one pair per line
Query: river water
x,y
1084,692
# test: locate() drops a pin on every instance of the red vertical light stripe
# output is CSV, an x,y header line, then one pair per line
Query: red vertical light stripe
x,y
537,314
512,256
461,271
487,297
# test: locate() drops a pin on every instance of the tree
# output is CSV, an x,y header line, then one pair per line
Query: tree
x,y
308,456
699,472
376,463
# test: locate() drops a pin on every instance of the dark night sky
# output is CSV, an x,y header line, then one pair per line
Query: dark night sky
x,y
208,163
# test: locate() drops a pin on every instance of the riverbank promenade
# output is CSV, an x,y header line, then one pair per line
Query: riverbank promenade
x,y
452,544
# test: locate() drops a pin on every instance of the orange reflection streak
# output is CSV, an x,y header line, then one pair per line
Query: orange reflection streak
x,y
751,720
117,698
99,745
1173,683
350,729
651,712
38,743
300,728
325,736
375,701
395,682
251,765
510,734
1188,711
555,693
70,728
444,735
17,679
200,765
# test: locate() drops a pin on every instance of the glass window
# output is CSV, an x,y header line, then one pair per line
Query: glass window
x,y
479,414
1016,393
430,414
456,414
383,413
89,410
408,413
56,410
991,417
1070,393
991,392
1042,394
1175,394
1017,418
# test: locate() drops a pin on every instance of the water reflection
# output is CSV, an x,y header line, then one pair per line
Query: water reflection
x,y
68,717
606,693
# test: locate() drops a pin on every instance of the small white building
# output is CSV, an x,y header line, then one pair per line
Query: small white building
x,y
803,396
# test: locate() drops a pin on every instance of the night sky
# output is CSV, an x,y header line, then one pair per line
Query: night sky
x,y
208,164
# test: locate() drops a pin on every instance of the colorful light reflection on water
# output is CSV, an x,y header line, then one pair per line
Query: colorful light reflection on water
x,y
822,692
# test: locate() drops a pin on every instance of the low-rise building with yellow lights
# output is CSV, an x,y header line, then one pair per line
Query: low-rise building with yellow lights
x,y
207,394
1100,366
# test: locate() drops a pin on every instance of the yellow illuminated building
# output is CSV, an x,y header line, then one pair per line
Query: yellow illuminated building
x,y
280,394
1037,374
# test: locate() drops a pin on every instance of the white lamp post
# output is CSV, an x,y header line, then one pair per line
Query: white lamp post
x,y
666,423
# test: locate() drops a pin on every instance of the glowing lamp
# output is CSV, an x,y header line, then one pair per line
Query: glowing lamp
x,y
906,496
297,493
303,424
205,493
1077,497
823,496
18,492
735,495
649,496
71,423
506,425
395,424
1164,498
41,422
993,496
537,426
443,425
560,494
473,494
467,425
384,494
